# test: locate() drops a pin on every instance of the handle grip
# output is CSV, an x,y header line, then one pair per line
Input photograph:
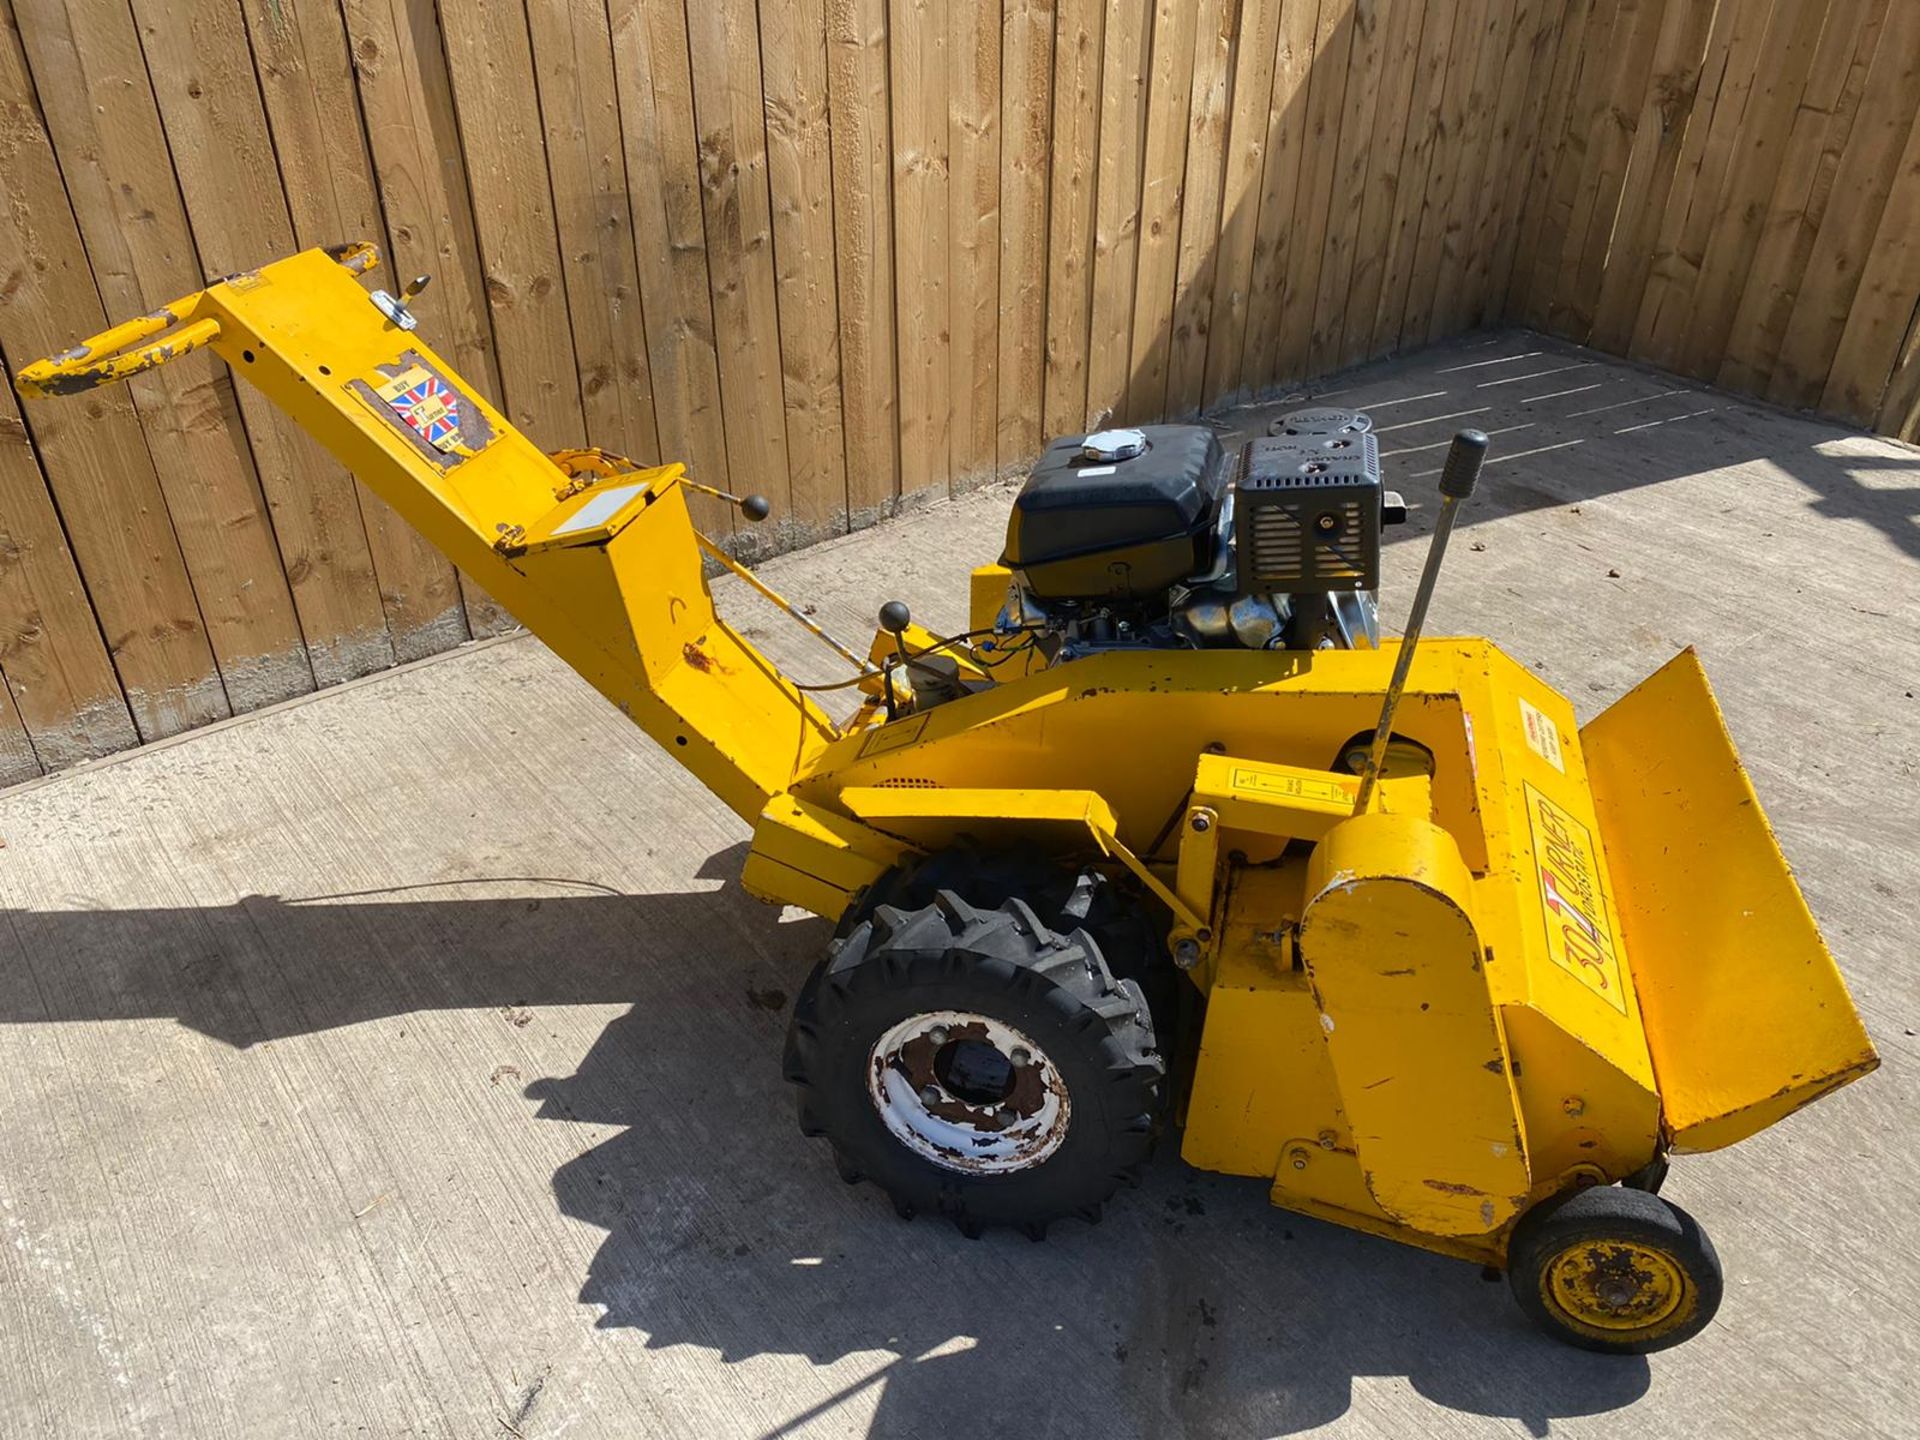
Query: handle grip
x,y
107,357
130,347
1464,459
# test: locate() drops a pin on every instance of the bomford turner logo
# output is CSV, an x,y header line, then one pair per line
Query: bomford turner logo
x,y
1570,893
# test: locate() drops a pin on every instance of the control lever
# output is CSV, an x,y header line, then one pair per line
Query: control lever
x,y
1464,458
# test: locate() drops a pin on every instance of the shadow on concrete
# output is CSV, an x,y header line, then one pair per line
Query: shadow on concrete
x,y
1588,425
1193,1308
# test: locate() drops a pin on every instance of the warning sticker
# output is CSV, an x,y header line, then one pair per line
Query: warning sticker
x,y
1573,902
1543,736
1265,783
430,406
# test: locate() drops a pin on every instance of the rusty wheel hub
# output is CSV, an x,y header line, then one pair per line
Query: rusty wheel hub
x,y
968,1092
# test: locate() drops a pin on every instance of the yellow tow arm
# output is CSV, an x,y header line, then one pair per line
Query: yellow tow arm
x,y
597,557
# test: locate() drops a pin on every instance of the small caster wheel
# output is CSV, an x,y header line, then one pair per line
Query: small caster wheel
x,y
1614,1270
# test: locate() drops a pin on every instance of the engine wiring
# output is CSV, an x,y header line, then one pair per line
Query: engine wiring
x,y
1031,632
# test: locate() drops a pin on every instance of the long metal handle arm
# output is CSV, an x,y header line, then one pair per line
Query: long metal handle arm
x,y
1464,458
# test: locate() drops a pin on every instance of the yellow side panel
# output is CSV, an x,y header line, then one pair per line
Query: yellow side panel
x,y
931,818
808,857
1746,1015
1390,948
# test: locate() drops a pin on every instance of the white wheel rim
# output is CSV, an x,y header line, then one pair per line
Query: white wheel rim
x,y
917,1078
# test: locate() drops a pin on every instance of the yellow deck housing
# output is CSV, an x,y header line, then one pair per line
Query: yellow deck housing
x,y
1560,953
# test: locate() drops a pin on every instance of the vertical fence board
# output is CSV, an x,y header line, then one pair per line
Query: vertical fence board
x,y
60,678
1079,43
1569,56
800,184
1401,28
863,249
17,760
1215,40
572,49
1509,157
1446,158
917,47
655,84
1900,412
1453,306
490,64
1163,180
1366,67
1026,117
724,45
1409,201
1246,149
1116,244
1287,139
973,239
1313,200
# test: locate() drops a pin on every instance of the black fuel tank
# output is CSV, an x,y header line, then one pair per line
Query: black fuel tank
x,y
1084,528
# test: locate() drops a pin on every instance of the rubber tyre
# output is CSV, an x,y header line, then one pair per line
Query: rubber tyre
x,y
1002,963
1604,1229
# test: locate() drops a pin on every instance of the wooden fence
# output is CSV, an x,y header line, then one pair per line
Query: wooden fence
x,y
849,251
1732,191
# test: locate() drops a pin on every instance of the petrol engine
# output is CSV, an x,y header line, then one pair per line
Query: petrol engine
x,y
1159,537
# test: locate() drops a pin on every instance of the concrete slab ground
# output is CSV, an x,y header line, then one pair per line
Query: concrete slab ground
x,y
406,1062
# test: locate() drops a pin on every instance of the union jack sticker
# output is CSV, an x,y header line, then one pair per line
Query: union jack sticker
x,y
429,406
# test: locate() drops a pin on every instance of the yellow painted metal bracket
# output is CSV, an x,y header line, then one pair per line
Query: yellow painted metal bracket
x,y
803,855
930,818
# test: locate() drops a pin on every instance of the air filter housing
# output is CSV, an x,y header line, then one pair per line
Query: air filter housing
x,y
1307,514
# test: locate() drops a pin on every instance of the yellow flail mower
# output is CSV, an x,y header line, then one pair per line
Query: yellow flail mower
x,y
1171,837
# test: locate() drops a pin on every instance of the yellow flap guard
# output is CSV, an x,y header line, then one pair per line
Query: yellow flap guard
x,y
1746,1015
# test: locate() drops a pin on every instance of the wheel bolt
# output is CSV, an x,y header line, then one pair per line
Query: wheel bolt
x,y
938,1034
1021,1055
930,1095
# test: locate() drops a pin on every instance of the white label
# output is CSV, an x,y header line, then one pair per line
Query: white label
x,y
1543,736
1093,470
601,507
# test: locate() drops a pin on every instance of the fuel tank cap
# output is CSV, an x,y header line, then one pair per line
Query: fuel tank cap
x,y
1110,445
1322,422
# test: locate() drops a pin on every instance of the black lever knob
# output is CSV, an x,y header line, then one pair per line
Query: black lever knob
x,y
1464,459
895,617
756,508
